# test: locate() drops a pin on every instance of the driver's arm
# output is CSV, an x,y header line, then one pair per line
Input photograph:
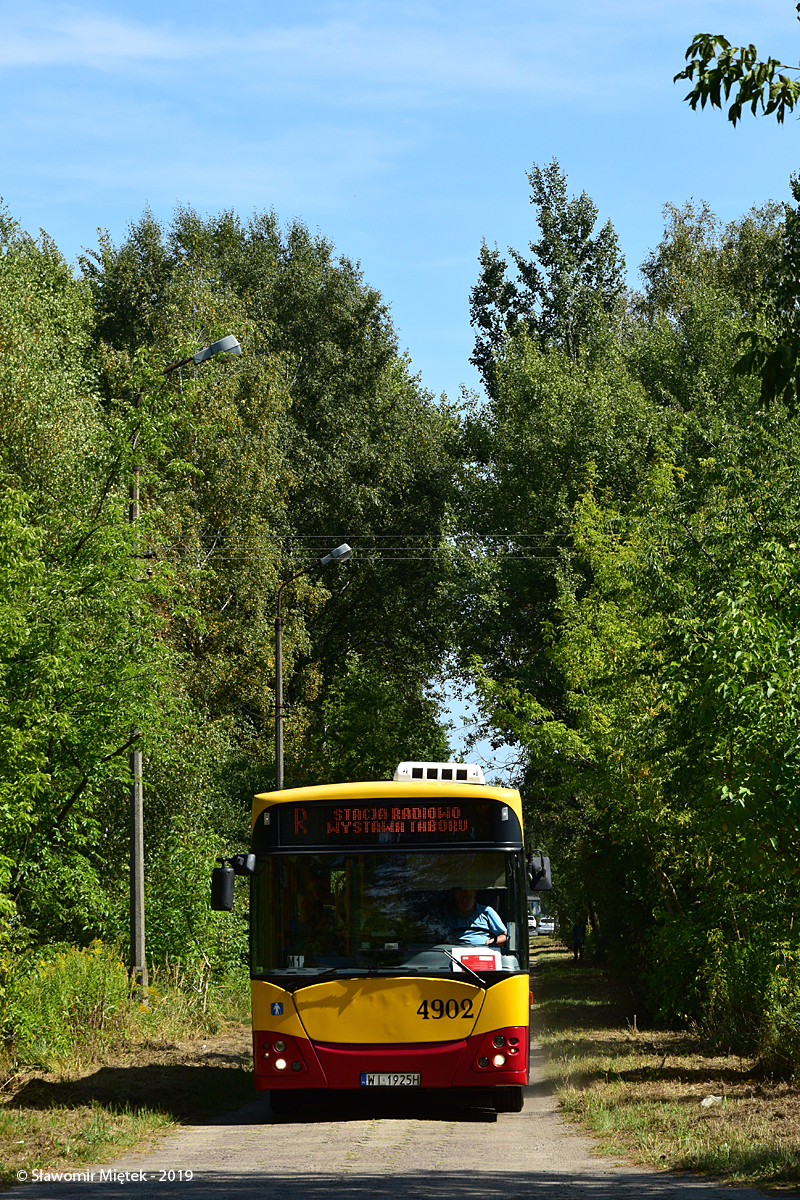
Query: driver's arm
x,y
497,936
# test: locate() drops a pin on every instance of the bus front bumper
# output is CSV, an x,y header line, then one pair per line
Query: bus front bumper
x,y
498,1058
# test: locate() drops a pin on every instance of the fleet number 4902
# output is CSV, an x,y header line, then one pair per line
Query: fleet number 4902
x,y
436,1009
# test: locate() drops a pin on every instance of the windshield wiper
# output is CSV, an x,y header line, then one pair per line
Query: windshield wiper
x,y
327,973
464,967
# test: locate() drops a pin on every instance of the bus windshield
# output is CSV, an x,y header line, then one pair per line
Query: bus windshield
x,y
347,913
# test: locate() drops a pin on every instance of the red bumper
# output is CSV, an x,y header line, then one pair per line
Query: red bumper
x,y
471,1062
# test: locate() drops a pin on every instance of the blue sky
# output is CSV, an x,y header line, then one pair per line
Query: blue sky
x,y
401,130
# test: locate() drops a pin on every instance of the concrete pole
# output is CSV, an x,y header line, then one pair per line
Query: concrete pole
x,y
279,698
138,961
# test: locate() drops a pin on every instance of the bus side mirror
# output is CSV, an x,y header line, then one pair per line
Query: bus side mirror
x,y
222,888
243,864
222,879
539,877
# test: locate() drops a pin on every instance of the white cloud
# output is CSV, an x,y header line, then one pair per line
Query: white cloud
x,y
150,148
391,53
46,36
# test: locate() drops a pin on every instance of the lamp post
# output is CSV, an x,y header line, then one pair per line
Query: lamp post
x,y
138,962
339,555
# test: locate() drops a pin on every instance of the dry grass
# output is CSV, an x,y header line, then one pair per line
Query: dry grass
x,y
641,1092
57,1120
88,1072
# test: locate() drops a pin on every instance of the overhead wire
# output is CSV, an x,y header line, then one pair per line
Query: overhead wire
x,y
391,547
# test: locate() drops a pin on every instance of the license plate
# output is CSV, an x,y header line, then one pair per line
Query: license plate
x,y
386,1079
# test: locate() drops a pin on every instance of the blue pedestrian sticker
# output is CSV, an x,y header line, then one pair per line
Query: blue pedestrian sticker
x,y
276,1009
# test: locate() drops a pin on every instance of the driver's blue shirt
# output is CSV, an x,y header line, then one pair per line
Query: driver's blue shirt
x,y
477,926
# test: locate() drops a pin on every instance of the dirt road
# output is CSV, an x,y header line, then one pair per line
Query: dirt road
x,y
389,1149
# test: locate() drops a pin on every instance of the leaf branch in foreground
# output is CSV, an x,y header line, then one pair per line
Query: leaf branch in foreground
x,y
720,68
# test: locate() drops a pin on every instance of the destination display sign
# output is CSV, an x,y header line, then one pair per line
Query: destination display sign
x,y
325,824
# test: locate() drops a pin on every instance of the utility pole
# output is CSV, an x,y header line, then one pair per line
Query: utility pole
x,y
138,961
279,697
136,807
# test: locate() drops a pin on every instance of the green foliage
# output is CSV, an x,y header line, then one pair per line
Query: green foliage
x,y
736,690
733,972
646,667
179,922
679,664
773,344
565,294
610,556
265,491
160,632
65,997
721,68
77,673
552,424
69,1004
368,724
50,429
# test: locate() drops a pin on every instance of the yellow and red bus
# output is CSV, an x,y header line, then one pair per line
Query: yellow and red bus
x,y
365,970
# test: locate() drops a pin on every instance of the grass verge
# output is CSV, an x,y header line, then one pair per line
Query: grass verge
x,y
60,1119
659,1097
61,1138
89,1072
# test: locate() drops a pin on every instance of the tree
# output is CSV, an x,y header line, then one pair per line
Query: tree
x,y
319,433
161,634
366,724
78,678
705,285
653,687
774,345
552,422
571,281
78,669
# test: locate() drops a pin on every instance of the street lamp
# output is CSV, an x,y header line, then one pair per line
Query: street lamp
x,y
339,555
226,345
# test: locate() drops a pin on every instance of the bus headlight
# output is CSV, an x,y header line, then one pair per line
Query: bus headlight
x,y
501,1050
279,1054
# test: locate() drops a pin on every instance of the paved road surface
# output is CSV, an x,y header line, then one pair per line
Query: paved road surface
x,y
387,1151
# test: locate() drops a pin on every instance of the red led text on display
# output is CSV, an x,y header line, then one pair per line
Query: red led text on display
x,y
316,825
431,819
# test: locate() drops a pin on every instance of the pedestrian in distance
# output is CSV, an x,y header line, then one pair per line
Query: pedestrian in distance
x,y
578,938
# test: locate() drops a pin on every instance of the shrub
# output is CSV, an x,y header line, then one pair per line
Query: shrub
x,y
671,962
66,999
739,985
70,1004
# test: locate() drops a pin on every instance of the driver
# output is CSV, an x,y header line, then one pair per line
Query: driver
x,y
308,930
473,924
